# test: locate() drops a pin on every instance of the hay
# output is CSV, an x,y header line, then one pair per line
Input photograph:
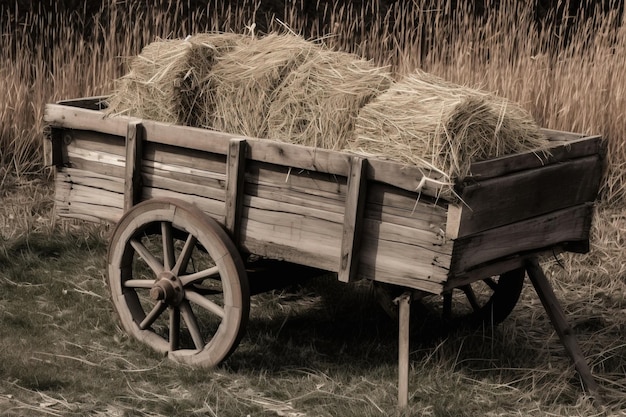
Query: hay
x,y
426,121
168,81
318,103
285,88
247,78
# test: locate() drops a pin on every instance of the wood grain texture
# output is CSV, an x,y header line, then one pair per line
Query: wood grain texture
x,y
568,225
235,176
132,178
503,200
353,220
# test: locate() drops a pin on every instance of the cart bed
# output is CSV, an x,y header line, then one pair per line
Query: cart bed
x,y
359,217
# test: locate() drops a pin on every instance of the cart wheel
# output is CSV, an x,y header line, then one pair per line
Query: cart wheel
x,y
489,301
178,282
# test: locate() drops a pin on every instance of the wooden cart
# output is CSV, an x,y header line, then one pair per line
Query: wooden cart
x,y
192,206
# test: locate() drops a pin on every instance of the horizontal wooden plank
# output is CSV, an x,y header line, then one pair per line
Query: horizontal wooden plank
x,y
406,177
304,181
187,158
95,142
213,208
568,225
401,264
76,196
156,179
298,256
296,197
573,146
522,195
281,208
71,176
98,167
84,119
310,237
428,240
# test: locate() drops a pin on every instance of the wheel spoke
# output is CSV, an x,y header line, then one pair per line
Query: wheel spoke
x,y
139,283
192,325
185,255
197,276
205,303
471,297
153,315
491,283
148,258
168,246
174,328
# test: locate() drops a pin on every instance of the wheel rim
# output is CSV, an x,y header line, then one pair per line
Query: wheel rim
x,y
178,282
489,301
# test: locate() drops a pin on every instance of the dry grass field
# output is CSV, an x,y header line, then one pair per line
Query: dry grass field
x,y
318,349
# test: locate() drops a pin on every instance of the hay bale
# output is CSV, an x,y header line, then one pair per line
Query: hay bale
x,y
247,78
285,88
426,121
168,80
318,102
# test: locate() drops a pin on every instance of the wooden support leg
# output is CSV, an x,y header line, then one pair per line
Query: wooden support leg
x,y
404,304
562,327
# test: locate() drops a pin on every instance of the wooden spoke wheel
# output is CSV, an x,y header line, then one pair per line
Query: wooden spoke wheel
x,y
178,282
488,301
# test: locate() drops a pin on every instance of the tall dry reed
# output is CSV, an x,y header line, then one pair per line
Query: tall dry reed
x,y
576,85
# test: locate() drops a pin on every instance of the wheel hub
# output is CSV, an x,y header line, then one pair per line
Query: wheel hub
x,y
168,289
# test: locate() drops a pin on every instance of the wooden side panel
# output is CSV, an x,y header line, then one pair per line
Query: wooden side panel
x,y
196,177
568,225
90,183
403,240
565,146
522,195
293,214
88,195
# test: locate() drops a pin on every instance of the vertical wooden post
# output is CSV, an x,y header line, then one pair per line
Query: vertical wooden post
x,y
132,182
235,175
404,306
352,221
562,327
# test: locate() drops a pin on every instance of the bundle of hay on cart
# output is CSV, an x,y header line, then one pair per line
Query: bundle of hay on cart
x,y
221,146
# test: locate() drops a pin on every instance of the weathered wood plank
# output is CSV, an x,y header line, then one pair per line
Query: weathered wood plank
x,y
83,119
165,180
280,208
353,220
568,225
235,176
70,176
213,208
406,177
403,264
295,197
95,142
566,146
522,195
428,240
132,178
185,158
304,181
317,239
277,251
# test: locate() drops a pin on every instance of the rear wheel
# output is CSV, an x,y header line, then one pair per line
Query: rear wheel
x,y
488,301
178,282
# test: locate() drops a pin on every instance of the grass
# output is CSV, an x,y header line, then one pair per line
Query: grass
x,y
320,349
